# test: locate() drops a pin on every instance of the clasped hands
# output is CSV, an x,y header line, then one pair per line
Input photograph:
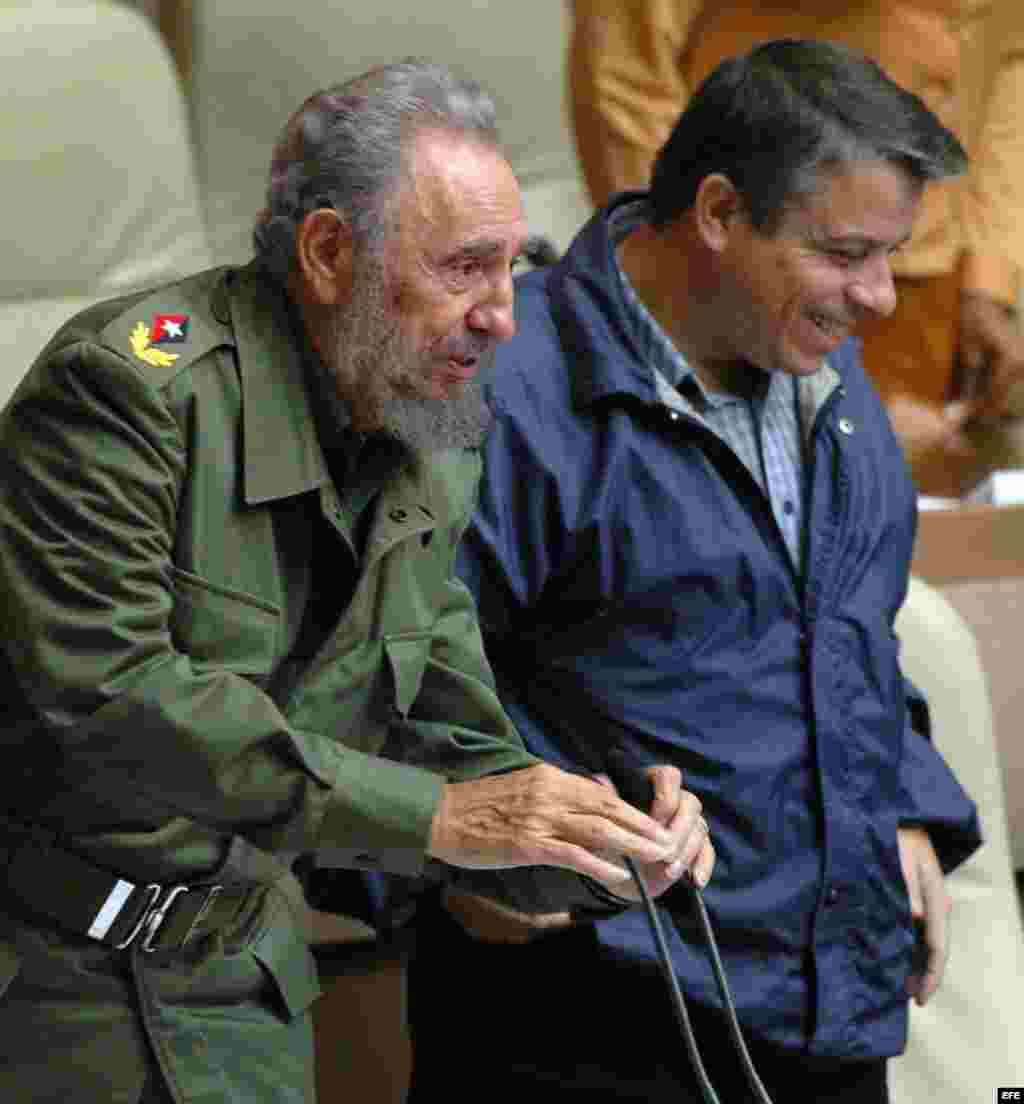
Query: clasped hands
x,y
544,816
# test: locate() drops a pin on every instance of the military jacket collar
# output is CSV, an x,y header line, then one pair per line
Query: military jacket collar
x,y
282,455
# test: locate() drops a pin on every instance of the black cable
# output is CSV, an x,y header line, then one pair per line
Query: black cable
x,y
676,996
749,1071
636,788
679,1003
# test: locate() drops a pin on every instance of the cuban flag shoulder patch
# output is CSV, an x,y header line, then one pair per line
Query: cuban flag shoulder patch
x,y
169,329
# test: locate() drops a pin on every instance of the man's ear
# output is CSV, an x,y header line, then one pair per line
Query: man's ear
x,y
715,206
323,254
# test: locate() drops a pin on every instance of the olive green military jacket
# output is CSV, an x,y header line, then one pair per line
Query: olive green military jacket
x,y
163,479
150,598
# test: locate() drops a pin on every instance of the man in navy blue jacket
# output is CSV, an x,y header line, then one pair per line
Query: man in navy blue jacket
x,y
694,534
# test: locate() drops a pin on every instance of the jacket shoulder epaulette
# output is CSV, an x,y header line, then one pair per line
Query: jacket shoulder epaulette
x,y
168,329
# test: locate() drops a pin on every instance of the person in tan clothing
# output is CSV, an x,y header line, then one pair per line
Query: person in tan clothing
x,y
948,359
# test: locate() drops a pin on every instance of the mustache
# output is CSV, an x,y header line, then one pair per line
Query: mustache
x,y
466,347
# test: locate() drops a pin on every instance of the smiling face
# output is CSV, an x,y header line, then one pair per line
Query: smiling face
x,y
786,299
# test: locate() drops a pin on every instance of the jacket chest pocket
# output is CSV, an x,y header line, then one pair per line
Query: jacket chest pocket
x,y
215,625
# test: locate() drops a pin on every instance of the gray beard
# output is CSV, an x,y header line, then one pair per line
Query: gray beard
x,y
431,424
379,372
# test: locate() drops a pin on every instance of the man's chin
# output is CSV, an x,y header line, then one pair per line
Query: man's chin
x,y
433,425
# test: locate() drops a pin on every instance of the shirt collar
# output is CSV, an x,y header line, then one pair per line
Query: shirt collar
x,y
675,381
672,371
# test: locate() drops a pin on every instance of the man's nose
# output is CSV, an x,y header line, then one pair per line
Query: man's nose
x,y
494,314
872,288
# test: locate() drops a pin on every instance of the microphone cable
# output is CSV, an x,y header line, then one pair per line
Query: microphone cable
x,y
636,788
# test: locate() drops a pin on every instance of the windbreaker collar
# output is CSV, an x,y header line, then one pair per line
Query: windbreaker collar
x,y
590,311
596,324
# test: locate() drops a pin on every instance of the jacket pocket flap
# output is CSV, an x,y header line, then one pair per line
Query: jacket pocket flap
x,y
407,656
215,625
283,952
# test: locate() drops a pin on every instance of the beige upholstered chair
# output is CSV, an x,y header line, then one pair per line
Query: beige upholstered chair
x,y
99,188
994,608
975,555
254,63
967,1040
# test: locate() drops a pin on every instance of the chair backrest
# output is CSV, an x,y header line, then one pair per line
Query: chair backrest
x,y
966,1040
975,555
254,63
99,182
994,608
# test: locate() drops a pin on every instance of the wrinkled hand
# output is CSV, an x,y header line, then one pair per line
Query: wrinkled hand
x,y
680,812
930,904
545,816
992,356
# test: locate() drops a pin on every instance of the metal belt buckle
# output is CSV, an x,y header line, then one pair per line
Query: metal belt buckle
x,y
158,910
212,893
159,902
112,907
156,913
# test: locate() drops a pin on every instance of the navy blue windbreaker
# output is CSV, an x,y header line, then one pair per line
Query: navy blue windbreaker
x,y
636,592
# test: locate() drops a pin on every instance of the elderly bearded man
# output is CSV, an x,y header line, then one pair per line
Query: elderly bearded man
x,y
232,634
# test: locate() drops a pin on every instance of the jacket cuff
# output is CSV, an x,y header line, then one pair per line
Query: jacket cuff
x,y
601,903
935,800
379,816
539,889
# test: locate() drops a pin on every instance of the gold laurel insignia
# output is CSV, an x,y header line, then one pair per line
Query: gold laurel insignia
x,y
141,347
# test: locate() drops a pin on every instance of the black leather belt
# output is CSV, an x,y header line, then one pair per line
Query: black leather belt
x,y
50,881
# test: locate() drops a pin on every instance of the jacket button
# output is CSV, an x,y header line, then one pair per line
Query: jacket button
x,y
398,514
845,426
833,896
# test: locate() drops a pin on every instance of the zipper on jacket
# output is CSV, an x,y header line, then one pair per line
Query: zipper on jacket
x,y
810,611
721,455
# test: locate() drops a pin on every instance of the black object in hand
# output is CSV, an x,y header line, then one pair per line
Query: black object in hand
x,y
631,780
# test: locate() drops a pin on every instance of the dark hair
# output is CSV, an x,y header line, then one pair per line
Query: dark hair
x,y
775,118
346,148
